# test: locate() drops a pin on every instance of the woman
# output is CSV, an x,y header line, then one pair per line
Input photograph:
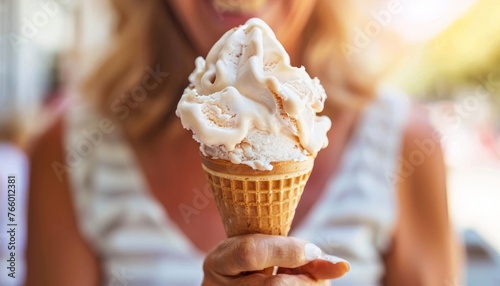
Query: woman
x,y
118,196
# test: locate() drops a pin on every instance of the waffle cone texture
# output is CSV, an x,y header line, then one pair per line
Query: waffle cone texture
x,y
252,201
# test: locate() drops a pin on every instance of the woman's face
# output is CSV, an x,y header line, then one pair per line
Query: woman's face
x,y
206,20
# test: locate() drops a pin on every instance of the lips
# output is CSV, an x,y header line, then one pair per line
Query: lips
x,y
238,6
227,14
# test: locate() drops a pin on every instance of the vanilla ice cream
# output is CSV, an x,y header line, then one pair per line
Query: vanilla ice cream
x,y
248,105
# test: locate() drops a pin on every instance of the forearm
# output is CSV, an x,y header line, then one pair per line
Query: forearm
x,y
415,264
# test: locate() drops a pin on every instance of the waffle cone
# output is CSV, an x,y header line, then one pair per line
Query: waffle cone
x,y
252,201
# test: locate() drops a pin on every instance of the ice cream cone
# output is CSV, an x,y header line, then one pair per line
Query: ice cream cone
x,y
253,201
247,103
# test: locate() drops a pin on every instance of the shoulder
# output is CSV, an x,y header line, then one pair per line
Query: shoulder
x,y
422,172
411,121
47,143
421,151
46,147
419,125
45,155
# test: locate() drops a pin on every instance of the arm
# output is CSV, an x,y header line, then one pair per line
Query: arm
x,y
57,255
425,251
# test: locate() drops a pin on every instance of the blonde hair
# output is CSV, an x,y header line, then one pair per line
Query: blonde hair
x,y
147,37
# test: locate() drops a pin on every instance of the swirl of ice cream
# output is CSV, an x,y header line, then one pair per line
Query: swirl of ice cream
x,y
247,104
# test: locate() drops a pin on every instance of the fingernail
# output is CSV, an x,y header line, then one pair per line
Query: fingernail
x,y
335,260
312,252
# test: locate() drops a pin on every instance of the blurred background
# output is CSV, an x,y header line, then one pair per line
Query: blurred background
x,y
443,53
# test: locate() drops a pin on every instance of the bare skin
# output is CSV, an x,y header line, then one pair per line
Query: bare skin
x,y
423,250
57,254
53,230
423,247
183,158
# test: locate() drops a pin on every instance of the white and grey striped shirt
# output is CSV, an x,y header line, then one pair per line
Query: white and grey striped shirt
x,y
138,244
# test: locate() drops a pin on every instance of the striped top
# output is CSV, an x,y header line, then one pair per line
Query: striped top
x,y
138,243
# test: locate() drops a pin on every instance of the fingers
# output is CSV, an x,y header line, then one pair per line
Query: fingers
x,y
325,268
256,252
321,269
236,261
277,280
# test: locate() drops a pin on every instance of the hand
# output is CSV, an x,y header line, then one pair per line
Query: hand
x,y
238,260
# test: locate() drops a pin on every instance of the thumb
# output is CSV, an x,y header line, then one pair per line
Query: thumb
x,y
329,268
257,251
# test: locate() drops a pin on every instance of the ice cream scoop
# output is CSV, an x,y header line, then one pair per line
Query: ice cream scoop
x,y
247,104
